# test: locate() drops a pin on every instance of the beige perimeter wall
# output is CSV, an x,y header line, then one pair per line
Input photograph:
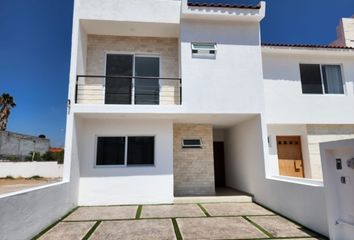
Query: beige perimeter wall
x,y
91,90
193,168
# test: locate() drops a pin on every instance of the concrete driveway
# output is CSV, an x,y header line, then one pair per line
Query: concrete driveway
x,y
176,221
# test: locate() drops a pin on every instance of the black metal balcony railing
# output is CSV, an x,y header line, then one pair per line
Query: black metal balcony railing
x,y
93,89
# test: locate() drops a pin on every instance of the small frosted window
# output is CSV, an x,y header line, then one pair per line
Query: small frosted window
x,y
204,49
191,143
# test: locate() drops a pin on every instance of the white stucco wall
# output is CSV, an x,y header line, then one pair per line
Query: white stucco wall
x,y
285,103
132,184
339,196
25,213
248,169
29,169
231,79
166,11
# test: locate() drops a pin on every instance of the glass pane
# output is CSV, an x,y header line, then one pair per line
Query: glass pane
x,y
141,150
207,46
332,79
147,90
311,78
118,90
192,143
110,150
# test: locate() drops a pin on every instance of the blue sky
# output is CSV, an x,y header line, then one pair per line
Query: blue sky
x,y
35,38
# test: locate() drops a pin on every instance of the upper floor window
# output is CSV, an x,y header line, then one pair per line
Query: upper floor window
x,y
321,79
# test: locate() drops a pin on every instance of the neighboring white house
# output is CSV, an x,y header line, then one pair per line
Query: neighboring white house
x,y
160,87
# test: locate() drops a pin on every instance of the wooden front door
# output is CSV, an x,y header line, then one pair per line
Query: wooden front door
x,y
290,156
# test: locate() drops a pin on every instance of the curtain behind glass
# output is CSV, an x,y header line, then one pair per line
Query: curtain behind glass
x,y
332,79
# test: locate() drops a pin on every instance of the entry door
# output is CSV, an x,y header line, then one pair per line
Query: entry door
x,y
219,164
118,90
147,89
290,156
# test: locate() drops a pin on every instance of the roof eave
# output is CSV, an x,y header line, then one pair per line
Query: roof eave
x,y
296,50
245,13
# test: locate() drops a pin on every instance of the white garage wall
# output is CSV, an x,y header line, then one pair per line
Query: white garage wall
x,y
132,184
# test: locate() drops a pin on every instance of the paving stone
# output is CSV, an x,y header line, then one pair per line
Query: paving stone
x,y
135,230
103,213
171,211
235,209
68,231
218,228
280,227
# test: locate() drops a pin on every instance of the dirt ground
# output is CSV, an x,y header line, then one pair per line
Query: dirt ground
x,y
17,184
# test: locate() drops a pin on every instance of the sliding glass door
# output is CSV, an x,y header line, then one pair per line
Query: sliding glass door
x,y
147,89
118,90
125,71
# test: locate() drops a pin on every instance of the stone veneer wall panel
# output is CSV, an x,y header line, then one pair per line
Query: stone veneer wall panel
x,y
193,168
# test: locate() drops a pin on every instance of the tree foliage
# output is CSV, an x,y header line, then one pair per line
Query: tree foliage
x,y
7,102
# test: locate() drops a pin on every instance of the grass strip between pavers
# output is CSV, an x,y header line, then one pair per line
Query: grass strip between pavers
x,y
311,232
90,232
138,211
176,228
258,227
204,210
53,225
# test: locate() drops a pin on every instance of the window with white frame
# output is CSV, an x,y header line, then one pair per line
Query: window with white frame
x,y
203,49
192,143
321,79
125,150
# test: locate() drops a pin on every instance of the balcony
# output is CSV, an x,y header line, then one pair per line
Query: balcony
x,y
128,90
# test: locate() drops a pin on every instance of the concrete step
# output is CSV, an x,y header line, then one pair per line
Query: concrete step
x,y
213,199
221,195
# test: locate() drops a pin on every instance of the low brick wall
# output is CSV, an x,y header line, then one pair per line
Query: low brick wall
x,y
29,169
193,168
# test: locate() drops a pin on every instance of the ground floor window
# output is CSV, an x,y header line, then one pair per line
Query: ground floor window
x,y
125,150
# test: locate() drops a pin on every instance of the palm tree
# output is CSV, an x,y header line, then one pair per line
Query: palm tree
x,y
6,103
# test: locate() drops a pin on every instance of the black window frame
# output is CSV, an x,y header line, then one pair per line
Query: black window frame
x,y
324,90
126,151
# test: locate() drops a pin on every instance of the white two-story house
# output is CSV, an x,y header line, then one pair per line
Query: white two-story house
x,y
171,98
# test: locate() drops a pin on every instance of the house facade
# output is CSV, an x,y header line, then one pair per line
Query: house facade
x,y
166,94
169,98
156,92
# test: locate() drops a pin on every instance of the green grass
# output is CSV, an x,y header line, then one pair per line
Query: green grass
x,y
176,228
259,227
90,232
35,177
138,212
204,210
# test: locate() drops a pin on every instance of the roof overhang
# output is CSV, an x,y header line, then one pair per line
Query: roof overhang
x,y
304,50
223,12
